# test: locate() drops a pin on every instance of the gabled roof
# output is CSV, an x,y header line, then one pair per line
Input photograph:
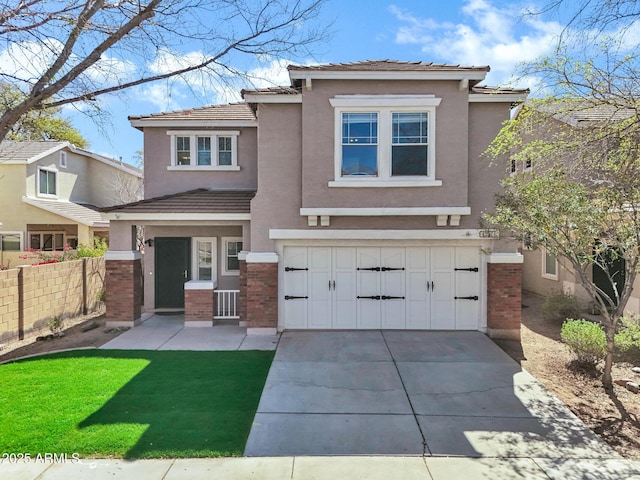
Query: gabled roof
x,y
14,152
198,204
28,152
232,114
72,211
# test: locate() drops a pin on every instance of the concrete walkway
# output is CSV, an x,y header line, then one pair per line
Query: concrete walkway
x,y
328,468
167,332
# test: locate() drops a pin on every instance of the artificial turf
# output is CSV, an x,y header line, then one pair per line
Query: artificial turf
x,y
131,404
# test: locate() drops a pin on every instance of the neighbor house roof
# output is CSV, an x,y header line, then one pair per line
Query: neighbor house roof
x,y
198,204
580,113
213,115
25,152
72,211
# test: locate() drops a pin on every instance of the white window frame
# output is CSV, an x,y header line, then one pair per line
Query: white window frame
x,y
385,106
193,144
546,274
223,255
63,160
194,257
20,234
50,170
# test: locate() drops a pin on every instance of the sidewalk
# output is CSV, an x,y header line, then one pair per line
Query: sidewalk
x,y
329,468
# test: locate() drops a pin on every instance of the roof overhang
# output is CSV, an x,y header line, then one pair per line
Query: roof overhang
x,y
78,215
166,216
452,74
152,122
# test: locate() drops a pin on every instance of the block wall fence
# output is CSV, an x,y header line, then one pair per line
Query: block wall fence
x,y
30,296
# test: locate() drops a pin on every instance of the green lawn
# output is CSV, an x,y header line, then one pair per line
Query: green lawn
x,y
131,404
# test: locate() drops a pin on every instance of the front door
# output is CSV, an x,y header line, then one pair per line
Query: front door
x,y
172,270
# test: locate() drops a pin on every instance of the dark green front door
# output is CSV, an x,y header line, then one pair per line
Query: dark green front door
x,y
172,270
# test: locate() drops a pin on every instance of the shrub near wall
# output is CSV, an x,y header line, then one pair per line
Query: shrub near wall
x,y
36,293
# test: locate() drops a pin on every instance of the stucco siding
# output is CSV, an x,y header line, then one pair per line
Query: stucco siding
x,y
160,181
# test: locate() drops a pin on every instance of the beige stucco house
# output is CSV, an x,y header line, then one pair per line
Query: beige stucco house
x,y
348,199
50,192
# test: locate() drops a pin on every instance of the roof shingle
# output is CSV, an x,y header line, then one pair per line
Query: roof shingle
x,y
228,112
387,65
201,200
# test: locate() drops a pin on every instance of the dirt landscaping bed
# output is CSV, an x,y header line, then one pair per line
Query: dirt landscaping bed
x,y
74,337
615,418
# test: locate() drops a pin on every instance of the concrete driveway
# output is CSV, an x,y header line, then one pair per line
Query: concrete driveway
x,y
410,393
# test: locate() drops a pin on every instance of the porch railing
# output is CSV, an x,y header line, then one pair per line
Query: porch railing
x,y
226,304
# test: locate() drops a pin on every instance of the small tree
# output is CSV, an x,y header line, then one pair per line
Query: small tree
x,y
580,198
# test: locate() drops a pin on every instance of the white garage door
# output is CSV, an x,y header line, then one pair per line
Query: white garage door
x,y
417,288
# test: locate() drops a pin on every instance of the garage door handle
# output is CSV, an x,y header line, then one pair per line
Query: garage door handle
x,y
475,297
373,297
292,297
386,297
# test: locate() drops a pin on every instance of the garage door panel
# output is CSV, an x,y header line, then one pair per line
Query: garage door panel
x,y
467,285
319,276
344,290
392,280
295,285
368,286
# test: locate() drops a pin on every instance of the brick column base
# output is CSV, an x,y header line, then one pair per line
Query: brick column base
x,y
123,288
199,304
504,300
262,294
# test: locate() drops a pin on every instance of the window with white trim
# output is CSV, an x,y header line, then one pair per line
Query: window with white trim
x,y
204,258
47,182
549,265
232,246
204,150
11,242
385,140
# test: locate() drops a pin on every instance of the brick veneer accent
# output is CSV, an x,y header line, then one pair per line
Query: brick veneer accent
x,y
262,295
242,295
199,305
504,300
123,285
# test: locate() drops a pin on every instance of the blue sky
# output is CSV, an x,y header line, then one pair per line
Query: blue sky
x,y
469,32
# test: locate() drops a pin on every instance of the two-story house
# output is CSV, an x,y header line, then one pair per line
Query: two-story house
x,y
50,192
349,199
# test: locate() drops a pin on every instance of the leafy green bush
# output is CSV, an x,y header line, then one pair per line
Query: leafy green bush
x,y
561,306
586,340
98,250
627,339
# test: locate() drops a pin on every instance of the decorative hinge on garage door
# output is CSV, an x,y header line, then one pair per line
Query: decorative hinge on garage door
x,y
389,269
370,269
293,297
475,297
471,269
372,297
386,297
293,269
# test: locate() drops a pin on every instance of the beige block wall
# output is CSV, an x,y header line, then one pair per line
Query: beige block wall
x,y
56,289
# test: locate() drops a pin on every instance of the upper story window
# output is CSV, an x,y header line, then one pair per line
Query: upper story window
x,y
63,160
47,182
204,150
385,140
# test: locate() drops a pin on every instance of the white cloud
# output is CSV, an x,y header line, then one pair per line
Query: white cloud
x,y
499,37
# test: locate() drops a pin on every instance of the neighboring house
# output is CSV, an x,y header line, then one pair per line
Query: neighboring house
x,y
349,199
544,273
50,192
